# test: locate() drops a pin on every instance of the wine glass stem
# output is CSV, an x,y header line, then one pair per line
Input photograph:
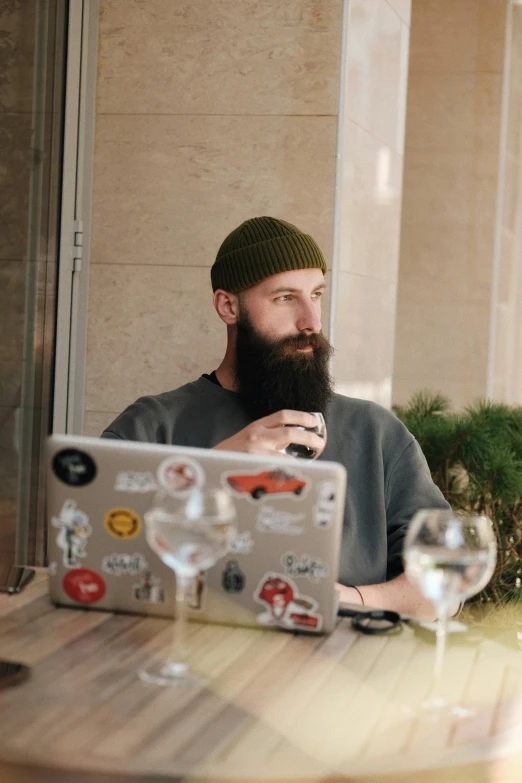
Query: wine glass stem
x,y
442,633
178,650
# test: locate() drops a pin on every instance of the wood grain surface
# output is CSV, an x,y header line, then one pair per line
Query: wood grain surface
x,y
276,706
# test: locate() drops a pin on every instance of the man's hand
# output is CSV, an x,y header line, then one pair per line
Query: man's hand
x,y
273,433
398,594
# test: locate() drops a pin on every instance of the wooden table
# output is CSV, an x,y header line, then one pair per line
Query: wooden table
x,y
278,706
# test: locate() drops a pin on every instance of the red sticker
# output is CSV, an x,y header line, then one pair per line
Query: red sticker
x,y
84,585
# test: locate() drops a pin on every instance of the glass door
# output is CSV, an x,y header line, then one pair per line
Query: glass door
x,y
32,103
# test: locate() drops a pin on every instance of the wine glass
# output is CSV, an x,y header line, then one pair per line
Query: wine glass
x,y
189,535
449,558
299,451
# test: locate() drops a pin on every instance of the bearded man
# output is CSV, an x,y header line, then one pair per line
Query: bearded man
x,y
268,279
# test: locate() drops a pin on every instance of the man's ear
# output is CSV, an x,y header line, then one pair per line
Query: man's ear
x,y
227,306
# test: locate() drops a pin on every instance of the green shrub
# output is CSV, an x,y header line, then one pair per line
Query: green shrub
x,y
475,458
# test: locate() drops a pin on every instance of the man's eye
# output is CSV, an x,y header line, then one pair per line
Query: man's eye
x,y
284,298
317,294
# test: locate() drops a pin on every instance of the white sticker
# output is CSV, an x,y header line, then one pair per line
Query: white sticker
x,y
149,589
52,568
324,510
135,481
304,565
123,564
285,607
74,531
273,520
242,543
179,475
256,486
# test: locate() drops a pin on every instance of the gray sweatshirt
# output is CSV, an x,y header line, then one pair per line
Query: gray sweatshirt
x,y
388,477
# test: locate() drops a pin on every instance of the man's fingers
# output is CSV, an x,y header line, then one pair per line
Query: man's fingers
x,y
287,418
287,435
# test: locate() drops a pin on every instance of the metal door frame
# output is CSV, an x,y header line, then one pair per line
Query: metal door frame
x,y
75,230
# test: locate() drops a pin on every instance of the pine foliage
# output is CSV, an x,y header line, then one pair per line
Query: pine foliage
x,y
475,458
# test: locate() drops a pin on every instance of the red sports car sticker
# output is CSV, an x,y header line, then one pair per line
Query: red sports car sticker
x,y
84,586
267,482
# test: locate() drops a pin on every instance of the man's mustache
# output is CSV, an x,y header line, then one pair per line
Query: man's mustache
x,y
315,340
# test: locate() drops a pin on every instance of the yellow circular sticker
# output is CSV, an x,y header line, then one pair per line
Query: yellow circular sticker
x,y
122,523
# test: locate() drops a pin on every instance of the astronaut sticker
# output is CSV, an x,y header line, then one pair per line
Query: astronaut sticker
x,y
74,531
149,589
324,510
285,608
180,475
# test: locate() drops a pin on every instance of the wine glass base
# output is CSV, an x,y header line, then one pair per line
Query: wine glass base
x,y
167,673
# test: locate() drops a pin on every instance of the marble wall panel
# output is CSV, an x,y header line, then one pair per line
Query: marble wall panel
x,y
373,69
151,329
233,57
365,365
449,187
440,258
94,422
371,206
467,35
449,202
452,111
403,8
442,347
167,190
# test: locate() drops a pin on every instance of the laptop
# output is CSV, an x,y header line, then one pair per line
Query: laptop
x,y
283,560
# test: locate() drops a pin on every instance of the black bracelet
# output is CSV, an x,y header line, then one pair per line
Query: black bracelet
x,y
360,594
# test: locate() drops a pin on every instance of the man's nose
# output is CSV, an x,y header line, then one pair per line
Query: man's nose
x,y
309,320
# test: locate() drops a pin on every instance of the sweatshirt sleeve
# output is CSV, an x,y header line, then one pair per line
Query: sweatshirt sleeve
x,y
409,488
144,421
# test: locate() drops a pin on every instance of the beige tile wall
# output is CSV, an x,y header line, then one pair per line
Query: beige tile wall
x,y
369,196
207,114
449,198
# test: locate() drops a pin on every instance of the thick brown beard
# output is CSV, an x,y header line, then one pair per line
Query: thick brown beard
x,y
272,375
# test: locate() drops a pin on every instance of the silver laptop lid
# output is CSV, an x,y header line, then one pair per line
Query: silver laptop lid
x,y
283,564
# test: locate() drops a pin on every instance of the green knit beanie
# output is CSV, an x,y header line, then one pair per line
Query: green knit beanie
x,y
262,247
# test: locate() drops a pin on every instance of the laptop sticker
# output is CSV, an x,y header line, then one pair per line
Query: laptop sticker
x,y
179,475
273,520
257,485
122,523
149,589
324,510
242,543
84,586
135,481
52,568
74,531
195,596
284,606
233,578
304,565
123,564
74,467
